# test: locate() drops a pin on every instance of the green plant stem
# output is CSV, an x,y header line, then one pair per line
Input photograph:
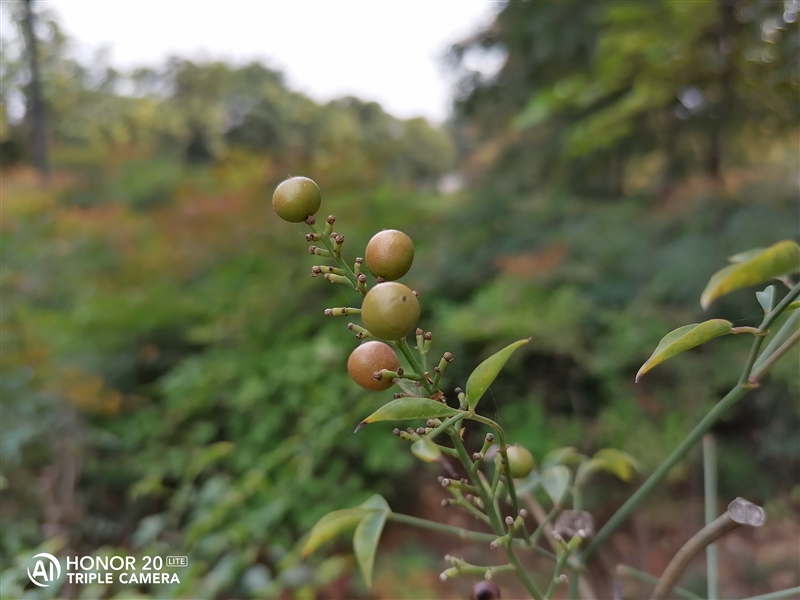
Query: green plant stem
x,y
326,241
577,499
544,523
445,425
647,578
464,503
574,584
494,517
710,500
683,448
779,594
461,533
770,361
562,560
501,440
780,336
405,349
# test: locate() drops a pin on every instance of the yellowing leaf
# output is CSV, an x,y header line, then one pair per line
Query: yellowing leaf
x,y
777,260
426,450
485,373
331,525
616,462
684,338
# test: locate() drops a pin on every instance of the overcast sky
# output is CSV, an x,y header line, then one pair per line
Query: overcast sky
x,y
383,50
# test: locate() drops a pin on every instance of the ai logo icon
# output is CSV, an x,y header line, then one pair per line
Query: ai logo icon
x,y
47,570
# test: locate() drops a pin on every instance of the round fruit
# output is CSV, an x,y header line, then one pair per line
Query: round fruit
x,y
296,198
390,310
520,461
368,358
389,254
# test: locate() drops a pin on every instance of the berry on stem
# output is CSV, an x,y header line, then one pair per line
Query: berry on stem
x,y
369,358
296,199
390,311
389,254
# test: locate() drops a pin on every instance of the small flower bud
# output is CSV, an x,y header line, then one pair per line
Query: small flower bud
x,y
489,437
428,336
445,482
400,371
447,558
312,249
312,237
310,220
430,423
339,239
316,271
494,545
398,395
445,503
421,430
458,390
396,431
328,312
448,356
377,376
362,278
477,456
416,293
443,577
437,370
410,430
509,521
523,513
419,331
330,220
465,481
380,279
359,260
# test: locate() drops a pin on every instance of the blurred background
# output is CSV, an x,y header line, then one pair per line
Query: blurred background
x,y
570,171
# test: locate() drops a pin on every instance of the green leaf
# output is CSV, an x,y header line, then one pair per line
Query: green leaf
x,y
404,409
368,534
616,462
561,456
684,338
555,482
426,450
777,260
793,306
766,298
331,525
486,372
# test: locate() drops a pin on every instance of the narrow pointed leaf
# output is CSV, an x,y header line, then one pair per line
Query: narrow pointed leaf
x,y
766,298
555,482
779,259
486,372
331,525
404,409
426,450
684,338
793,305
561,456
368,535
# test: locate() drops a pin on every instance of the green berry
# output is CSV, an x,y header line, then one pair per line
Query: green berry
x,y
389,254
368,358
296,198
390,310
520,461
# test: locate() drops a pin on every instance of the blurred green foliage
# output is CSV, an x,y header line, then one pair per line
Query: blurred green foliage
x,y
169,385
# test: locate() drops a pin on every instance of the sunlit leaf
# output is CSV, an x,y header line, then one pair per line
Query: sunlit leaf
x,y
426,450
555,482
777,260
368,535
684,338
486,372
404,409
561,456
613,461
331,525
